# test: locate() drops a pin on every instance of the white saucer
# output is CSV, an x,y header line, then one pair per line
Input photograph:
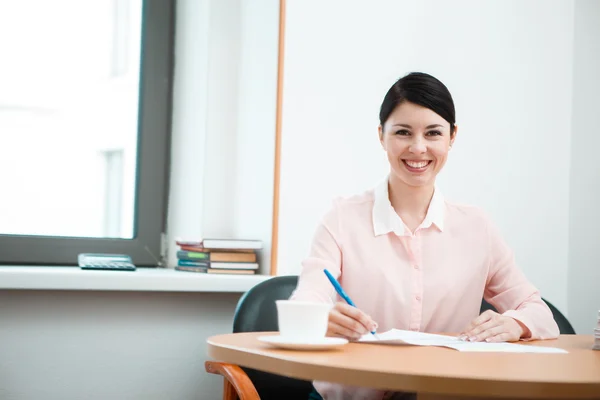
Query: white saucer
x,y
291,344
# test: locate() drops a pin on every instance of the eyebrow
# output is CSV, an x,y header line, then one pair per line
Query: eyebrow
x,y
427,127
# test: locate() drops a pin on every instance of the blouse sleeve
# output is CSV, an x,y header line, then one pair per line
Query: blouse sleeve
x,y
509,291
325,252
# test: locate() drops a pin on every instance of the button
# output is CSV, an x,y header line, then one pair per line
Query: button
x,y
416,266
418,298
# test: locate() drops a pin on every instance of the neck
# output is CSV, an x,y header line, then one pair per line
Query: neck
x,y
409,201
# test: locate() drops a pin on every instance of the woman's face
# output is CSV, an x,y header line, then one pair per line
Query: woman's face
x,y
417,141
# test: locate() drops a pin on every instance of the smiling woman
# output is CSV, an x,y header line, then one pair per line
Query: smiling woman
x,y
417,129
426,261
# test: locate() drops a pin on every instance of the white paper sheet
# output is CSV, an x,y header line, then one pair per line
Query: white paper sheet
x,y
409,338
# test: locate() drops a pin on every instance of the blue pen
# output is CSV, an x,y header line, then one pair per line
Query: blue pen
x,y
340,291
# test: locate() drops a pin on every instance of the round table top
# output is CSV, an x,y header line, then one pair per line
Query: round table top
x,y
425,369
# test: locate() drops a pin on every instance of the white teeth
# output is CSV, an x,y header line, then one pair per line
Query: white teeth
x,y
417,164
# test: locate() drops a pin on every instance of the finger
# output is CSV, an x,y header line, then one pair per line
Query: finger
x,y
484,317
501,337
512,331
475,332
334,329
356,314
347,322
488,333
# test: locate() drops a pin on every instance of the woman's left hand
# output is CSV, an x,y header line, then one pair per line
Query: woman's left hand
x,y
493,327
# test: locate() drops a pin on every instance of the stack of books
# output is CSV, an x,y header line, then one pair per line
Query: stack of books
x,y
218,256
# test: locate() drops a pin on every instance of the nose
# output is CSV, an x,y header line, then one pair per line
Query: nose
x,y
417,146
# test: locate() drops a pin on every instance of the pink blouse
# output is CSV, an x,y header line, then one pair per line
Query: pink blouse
x,y
429,281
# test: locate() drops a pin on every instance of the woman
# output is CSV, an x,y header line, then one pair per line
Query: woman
x,y
410,259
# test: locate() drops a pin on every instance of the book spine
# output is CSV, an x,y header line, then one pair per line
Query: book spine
x,y
192,255
192,269
188,263
232,257
194,249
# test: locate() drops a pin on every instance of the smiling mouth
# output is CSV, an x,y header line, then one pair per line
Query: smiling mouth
x,y
416,166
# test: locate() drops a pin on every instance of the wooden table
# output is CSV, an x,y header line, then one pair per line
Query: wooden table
x,y
432,372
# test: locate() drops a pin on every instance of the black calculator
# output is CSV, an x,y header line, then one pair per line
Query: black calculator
x,y
106,262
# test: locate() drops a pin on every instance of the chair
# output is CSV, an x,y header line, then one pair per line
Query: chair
x,y
564,326
256,312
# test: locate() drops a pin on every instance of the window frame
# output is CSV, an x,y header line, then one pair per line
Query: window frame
x,y
153,158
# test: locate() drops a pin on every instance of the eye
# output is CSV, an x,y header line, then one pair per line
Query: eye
x,y
403,132
434,133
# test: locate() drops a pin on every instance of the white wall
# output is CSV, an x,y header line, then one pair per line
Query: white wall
x,y
584,249
190,85
224,122
255,144
59,345
510,76
221,129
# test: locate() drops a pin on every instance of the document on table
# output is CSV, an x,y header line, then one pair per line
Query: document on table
x,y
409,338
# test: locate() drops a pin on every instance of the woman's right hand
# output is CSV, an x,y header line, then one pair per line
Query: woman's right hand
x,y
349,322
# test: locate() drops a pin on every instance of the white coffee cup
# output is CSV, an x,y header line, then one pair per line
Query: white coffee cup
x,y
303,321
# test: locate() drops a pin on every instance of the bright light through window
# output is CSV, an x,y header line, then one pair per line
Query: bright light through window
x,y
69,87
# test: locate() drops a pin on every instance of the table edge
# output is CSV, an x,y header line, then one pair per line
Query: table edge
x,y
421,383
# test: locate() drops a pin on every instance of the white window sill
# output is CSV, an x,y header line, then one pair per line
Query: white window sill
x,y
144,279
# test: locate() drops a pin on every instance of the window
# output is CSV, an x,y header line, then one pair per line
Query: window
x,y
85,101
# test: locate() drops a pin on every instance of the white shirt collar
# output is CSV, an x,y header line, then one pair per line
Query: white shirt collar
x,y
386,220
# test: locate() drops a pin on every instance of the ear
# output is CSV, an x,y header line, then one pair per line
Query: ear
x,y
380,130
453,138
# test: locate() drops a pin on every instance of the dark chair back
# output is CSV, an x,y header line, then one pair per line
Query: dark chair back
x,y
564,326
256,312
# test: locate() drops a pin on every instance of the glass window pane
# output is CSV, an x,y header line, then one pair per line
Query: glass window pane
x,y
69,87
